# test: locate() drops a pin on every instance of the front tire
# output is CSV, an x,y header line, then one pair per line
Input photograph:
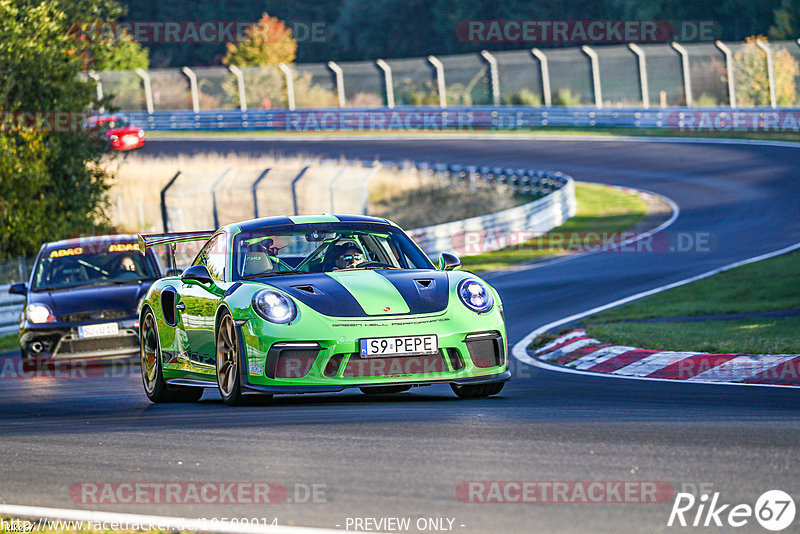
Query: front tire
x,y
155,387
477,391
229,378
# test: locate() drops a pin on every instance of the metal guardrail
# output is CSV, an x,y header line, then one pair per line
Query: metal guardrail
x,y
420,118
10,308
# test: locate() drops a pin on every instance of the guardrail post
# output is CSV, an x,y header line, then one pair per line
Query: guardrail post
x,y
729,70
254,188
593,59
687,79
236,71
164,215
442,88
289,84
364,187
339,74
773,101
643,84
494,76
214,196
98,87
193,88
387,80
148,91
331,189
545,70
294,189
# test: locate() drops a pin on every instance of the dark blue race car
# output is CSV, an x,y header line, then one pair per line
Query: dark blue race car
x,y
82,299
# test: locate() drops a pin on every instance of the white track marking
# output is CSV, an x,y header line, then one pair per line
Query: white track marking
x,y
520,348
168,523
676,211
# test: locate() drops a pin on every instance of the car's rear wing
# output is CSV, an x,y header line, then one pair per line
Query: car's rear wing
x,y
153,240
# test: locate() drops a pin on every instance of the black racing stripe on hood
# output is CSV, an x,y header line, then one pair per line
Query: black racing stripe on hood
x,y
329,298
420,299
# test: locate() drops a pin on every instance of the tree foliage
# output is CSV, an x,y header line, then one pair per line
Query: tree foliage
x,y
751,78
51,182
268,42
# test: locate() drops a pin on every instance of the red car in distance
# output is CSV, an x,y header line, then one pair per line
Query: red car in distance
x,y
119,134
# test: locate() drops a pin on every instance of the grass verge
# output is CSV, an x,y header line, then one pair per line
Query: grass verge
x,y
9,342
601,209
771,285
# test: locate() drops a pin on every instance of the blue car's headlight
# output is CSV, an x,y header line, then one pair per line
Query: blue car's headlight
x,y
475,295
274,307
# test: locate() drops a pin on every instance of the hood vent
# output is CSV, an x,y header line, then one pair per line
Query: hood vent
x,y
308,289
424,282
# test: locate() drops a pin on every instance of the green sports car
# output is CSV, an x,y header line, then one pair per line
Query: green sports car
x,y
315,304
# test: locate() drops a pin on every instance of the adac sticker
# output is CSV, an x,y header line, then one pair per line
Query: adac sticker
x,y
256,369
77,251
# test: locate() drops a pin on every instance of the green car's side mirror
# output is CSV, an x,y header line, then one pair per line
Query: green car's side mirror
x,y
197,273
449,262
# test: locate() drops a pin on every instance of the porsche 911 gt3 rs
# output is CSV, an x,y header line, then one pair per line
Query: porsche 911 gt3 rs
x,y
317,304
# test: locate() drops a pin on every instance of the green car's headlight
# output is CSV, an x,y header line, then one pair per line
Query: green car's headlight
x,y
475,295
274,306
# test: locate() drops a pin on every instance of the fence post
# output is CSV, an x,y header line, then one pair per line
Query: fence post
x,y
773,101
643,84
22,268
364,187
254,188
289,84
545,70
333,181
148,91
387,80
294,189
240,83
214,196
193,88
687,79
729,70
493,74
593,60
439,66
98,87
164,215
337,71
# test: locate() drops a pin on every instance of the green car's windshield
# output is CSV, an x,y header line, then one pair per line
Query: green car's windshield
x,y
92,264
267,253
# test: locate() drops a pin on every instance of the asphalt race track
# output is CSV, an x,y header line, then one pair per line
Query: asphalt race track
x,y
404,456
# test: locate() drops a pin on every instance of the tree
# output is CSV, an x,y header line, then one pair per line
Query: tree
x,y
51,182
787,21
268,42
751,78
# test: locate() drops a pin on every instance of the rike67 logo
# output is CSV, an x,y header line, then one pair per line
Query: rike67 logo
x,y
774,510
